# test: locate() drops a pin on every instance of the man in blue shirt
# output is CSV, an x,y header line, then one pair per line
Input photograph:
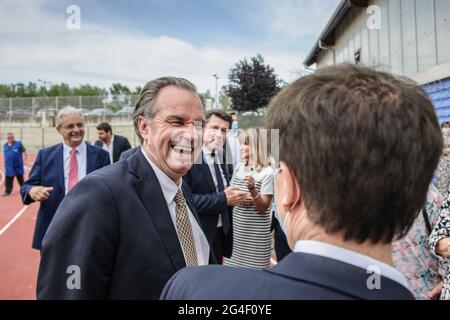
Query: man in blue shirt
x,y
13,150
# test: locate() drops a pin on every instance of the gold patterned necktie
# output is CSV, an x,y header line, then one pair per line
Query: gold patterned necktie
x,y
184,229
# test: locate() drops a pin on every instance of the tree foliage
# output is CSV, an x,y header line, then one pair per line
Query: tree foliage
x,y
63,89
252,84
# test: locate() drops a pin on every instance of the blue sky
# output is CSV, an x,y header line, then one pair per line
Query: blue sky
x,y
133,41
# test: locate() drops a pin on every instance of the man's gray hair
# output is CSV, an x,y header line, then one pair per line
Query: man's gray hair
x,y
146,102
67,111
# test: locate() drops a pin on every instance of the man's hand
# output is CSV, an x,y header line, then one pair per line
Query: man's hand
x,y
247,201
234,196
40,193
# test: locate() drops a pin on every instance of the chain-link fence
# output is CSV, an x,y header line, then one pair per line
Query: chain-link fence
x,y
32,120
41,110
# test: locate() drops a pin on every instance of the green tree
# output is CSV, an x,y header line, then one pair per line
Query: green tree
x,y
88,90
62,89
117,89
252,84
209,100
137,90
6,91
224,99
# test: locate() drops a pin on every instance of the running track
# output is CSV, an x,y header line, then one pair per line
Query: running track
x,y
18,262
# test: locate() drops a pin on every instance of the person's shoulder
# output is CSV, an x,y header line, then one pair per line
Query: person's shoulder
x,y
112,176
51,149
97,149
119,137
216,281
266,172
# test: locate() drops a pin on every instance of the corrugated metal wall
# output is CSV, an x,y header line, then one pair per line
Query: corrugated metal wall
x,y
439,93
414,35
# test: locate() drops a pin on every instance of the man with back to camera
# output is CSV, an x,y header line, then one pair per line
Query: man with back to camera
x,y
358,149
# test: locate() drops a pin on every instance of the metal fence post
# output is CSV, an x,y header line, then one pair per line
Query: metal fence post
x,y
10,109
33,106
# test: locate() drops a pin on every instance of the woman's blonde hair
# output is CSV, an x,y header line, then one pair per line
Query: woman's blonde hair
x,y
259,147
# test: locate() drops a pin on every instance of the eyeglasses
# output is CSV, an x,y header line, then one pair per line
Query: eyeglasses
x,y
73,125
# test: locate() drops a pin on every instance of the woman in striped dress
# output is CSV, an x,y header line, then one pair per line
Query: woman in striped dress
x,y
252,240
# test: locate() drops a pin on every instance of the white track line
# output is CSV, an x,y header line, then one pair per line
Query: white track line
x,y
17,216
3,177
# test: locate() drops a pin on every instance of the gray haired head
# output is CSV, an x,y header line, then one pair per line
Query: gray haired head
x,y
67,111
145,104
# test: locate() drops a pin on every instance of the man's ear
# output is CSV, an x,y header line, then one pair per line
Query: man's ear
x,y
292,195
143,126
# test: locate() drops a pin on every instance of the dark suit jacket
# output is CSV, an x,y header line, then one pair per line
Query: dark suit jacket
x,y
120,144
127,154
298,276
116,227
208,202
48,171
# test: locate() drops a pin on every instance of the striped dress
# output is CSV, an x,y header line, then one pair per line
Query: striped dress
x,y
252,239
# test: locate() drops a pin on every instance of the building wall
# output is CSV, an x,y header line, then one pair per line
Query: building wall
x,y
414,35
413,41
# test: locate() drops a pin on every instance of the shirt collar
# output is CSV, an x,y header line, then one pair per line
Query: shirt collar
x,y
169,188
351,257
80,148
206,151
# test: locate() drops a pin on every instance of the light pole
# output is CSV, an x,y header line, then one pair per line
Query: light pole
x,y
217,78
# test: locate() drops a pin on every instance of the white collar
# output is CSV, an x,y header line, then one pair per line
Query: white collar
x,y
351,257
169,188
80,148
206,151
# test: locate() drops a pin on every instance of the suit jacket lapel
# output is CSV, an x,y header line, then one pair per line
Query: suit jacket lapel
x,y
91,159
153,199
59,163
116,148
206,172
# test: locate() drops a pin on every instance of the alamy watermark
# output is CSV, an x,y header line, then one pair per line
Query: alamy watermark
x,y
73,22
374,280
374,20
74,280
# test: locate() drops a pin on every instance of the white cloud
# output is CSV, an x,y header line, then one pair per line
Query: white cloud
x,y
298,20
36,44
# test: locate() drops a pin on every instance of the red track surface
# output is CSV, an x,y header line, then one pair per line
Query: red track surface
x,y
18,262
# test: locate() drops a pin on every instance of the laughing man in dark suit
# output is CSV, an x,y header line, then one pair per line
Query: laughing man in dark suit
x,y
128,228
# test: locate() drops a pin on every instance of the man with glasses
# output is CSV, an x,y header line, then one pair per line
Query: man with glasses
x,y
58,168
